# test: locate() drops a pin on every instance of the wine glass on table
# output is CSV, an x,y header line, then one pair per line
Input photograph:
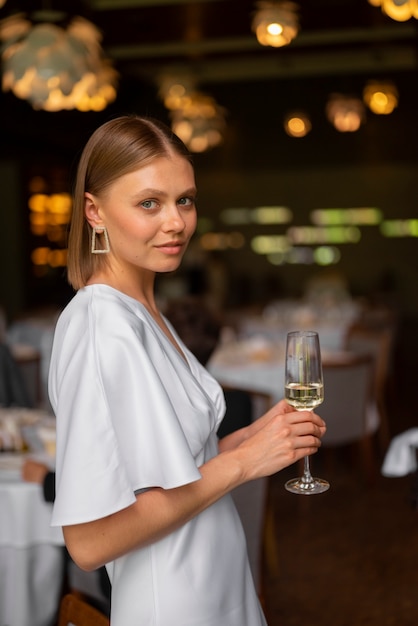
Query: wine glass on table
x,y
304,390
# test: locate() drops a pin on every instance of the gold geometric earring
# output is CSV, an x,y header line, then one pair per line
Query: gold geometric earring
x,y
99,230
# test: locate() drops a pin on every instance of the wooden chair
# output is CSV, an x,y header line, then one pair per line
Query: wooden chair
x,y
76,611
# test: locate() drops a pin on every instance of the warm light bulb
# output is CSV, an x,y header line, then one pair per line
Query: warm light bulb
x,y
381,98
297,125
275,29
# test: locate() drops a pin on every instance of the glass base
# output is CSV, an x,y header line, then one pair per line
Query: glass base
x,y
307,487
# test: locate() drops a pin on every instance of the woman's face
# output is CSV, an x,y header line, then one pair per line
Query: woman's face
x,y
150,216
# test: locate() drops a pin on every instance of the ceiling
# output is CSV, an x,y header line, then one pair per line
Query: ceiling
x,y
212,41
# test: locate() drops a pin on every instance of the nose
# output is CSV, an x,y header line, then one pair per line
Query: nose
x,y
174,220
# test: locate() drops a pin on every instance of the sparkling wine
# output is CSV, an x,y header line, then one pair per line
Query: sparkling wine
x,y
304,397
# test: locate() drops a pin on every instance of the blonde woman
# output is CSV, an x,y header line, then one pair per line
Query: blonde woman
x,y
142,482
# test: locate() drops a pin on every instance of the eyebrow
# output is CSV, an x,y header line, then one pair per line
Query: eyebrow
x,y
150,191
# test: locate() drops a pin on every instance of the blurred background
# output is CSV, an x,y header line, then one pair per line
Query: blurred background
x,y
274,209
302,121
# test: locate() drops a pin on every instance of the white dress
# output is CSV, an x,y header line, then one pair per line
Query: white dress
x,y
132,414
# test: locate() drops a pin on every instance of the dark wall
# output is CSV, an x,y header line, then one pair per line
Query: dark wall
x,y
257,165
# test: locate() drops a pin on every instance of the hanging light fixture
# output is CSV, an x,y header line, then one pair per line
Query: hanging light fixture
x,y
276,23
398,10
196,117
200,122
345,113
381,97
56,65
297,124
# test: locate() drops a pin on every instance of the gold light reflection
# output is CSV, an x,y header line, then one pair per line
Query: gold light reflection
x,y
49,216
222,241
364,216
47,256
320,234
399,228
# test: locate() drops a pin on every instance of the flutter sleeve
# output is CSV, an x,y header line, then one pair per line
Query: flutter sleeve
x,y
119,415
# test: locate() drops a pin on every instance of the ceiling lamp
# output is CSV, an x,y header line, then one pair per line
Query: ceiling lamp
x,y
345,113
175,90
196,117
276,23
199,123
56,67
381,97
399,10
297,124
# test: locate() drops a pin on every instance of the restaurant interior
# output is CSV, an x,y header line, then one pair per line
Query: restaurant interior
x,y
304,145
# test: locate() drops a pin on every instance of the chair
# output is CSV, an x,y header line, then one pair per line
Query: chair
x,y
377,342
13,390
348,391
75,611
28,360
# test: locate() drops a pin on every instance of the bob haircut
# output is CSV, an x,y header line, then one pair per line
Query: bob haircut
x,y
116,148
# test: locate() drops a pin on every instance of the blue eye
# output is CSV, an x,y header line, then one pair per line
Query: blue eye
x,y
186,201
149,204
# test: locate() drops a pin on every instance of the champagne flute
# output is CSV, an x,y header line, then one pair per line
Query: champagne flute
x,y
304,390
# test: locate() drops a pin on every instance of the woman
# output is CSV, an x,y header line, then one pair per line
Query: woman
x,y
142,482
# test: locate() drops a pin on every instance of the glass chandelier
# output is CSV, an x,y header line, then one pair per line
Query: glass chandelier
x,y
54,66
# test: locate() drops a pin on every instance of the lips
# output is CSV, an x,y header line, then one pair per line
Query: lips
x,y
172,247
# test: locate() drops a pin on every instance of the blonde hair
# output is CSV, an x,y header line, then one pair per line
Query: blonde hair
x,y
116,148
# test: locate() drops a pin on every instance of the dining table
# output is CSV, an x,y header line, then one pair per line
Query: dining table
x,y
33,560
31,550
256,363
253,364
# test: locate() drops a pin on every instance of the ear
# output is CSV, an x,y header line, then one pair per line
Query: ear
x,y
91,210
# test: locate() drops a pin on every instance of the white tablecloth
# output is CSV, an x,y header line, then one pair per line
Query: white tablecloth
x,y
31,551
264,377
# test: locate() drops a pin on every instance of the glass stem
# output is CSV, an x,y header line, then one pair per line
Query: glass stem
x,y
307,476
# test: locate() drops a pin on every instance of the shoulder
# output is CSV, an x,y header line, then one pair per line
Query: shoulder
x,y
102,308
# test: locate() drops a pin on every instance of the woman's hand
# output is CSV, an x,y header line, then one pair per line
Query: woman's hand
x,y
277,439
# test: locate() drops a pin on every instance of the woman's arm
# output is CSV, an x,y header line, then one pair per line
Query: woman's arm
x,y
272,443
